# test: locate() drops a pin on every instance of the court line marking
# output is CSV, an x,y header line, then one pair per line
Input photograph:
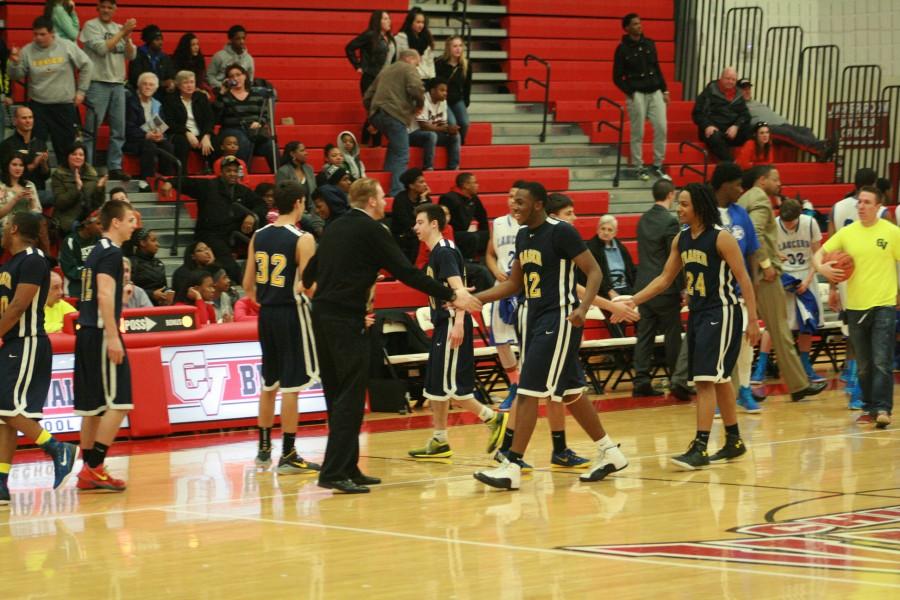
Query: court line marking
x,y
537,550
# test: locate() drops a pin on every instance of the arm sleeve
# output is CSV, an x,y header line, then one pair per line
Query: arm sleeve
x,y
109,264
751,237
354,47
743,118
655,63
414,88
64,196
619,71
446,264
68,261
66,21
34,270
816,233
393,259
83,63
759,214
699,113
402,42
567,241
94,38
214,74
836,242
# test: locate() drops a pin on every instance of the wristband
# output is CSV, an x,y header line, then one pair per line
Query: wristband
x,y
765,263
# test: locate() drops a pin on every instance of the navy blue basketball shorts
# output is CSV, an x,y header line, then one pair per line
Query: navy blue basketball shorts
x,y
550,363
100,384
25,367
450,372
714,342
289,360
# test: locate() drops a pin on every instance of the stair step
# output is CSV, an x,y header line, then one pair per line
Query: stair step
x,y
553,129
444,32
550,150
505,117
488,76
472,10
576,161
532,138
488,55
492,97
505,107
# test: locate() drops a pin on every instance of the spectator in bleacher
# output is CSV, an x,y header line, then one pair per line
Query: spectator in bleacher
x,y
414,33
64,18
334,193
142,131
77,190
655,231
75,249
637,73
801,137
151,58
369,53
189,57
393,101
885,190
229,147
6,99
453,67
469,218
198,290
615,261
234,53
197,257
56,307
334,160
758,150
133,296
190,119
346,141
415,192
267,211
109,47
222,300
295,168
49,65
222,203
148,272
721,115
32,150
241,112
328,206
432,128
761,183
17,194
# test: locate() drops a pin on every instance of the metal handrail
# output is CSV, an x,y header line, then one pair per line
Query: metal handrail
x,y
620,128
687,167
179,172
544,84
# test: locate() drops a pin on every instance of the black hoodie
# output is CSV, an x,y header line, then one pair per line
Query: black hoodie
x,y
636,67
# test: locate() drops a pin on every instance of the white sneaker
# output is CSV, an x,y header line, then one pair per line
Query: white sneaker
x,y
507,476
608,461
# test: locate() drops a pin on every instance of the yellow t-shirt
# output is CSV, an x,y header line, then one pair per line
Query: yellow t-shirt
x,y
875,251
54,315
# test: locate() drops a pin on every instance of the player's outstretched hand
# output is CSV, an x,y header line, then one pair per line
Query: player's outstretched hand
x,y
624,311
114,350
578,316
466,301
753,332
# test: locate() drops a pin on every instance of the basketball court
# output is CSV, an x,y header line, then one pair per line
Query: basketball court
x,y
817,499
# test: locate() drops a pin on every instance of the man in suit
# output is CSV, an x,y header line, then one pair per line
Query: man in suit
x,y
656,229
762,182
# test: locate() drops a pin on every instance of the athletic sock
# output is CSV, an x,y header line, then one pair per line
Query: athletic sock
x,y
807,365
733,431
440,435
761,363
97,456
702,439
86,454
265,438
4,472
513,456
559,441
507,439
485,413
287,443
605,442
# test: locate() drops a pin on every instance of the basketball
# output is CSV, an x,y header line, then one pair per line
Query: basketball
x,y
842,261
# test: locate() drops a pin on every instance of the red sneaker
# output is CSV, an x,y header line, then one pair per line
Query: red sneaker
x,y
98,479
865,419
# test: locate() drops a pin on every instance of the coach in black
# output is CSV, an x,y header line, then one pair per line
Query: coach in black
x,y
352,251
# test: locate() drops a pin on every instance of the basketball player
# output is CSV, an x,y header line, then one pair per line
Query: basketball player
x,y
501,250
547,252
279,253
102,374
450,373
711,261
26,359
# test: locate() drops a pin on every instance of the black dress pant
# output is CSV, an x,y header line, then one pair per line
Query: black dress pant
x,y
663,313
58,122
343,347
146,151
720,145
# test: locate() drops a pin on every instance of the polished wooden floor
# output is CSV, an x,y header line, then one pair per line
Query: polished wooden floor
x,y
204,523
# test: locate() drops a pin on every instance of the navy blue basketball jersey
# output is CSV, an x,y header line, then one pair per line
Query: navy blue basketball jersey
x,y
546,256
707,277
275,253
105,258
445,262
29,266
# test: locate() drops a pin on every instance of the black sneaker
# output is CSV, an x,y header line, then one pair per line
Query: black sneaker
x,y
695,457
119,175
294,464
643,174
733,449
264,458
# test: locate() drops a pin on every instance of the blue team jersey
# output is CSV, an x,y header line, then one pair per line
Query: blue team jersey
x,y
106,259
546,256
708,279
445,262
29,266
275,253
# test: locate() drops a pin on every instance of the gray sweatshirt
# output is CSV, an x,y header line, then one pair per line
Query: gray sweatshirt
x,y
51,71
223,59
108,65
762,112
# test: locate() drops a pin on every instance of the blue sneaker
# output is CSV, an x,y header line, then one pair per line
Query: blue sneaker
x,y
523,466
746,401
848,375
64,456
568,458
507,402
854,404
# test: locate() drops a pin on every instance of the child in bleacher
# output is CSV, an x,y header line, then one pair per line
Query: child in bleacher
x,y
229,147
350,150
